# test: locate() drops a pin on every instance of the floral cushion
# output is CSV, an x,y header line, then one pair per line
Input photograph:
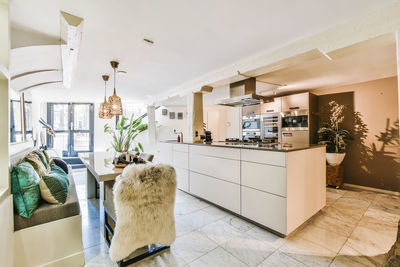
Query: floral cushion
x,y
25,189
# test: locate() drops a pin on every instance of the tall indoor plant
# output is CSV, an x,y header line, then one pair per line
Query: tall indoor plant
x,y
333,136
123,136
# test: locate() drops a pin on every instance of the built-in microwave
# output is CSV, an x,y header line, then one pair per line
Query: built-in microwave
x,y
295,120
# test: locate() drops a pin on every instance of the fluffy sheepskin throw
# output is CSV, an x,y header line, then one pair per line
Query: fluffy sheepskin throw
x,y
144,198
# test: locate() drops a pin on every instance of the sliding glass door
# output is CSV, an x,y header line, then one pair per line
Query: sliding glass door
x,y
73,126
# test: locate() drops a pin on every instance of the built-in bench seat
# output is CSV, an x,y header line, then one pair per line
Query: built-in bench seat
x,y
50,212
52,236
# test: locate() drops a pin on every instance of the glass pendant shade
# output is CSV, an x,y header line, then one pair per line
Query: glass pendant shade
x,y
114,101
115,104
105,109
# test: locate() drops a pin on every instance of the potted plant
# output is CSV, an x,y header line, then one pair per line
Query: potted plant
x,y
333,136
124,135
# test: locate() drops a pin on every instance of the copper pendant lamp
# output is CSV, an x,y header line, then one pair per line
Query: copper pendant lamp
x,y
105,109
115,101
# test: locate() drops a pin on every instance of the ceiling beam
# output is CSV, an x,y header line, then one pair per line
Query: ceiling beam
x,y
71,36
36,85
32,72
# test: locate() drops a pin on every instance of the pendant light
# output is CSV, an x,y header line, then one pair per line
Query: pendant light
x,y
115,101
105,110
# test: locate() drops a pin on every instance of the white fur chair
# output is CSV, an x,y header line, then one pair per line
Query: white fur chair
x,y
144,198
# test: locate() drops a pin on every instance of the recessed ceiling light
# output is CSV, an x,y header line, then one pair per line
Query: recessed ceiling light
x,y
148,41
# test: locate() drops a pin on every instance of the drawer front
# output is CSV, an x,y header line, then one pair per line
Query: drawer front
x,y
222,193
225,169
264,157
268,178
264,208
181,159
182,178
181,147
220,152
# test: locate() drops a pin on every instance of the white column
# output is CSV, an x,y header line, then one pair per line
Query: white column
x,y
152,131
195,116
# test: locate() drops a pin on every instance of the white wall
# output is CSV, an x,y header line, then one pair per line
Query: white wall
x,y
165,126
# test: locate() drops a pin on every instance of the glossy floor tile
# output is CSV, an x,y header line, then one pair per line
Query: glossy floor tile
x,y
356,228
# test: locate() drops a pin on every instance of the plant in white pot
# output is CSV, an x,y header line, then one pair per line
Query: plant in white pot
x,y
333,136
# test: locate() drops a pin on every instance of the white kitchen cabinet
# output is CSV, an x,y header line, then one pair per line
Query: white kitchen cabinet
x,y
272,107
181,159
264,157
277,189
267,178
182,178
295,102
214,151
225,169
264,208
164,153
224,194
181,147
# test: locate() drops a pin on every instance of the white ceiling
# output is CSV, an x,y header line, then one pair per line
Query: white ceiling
x,y
192,38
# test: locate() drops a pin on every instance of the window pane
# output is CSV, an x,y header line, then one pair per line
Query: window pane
x,y
60,115
28,116
81,141
17,115
60,142
81,117
15,121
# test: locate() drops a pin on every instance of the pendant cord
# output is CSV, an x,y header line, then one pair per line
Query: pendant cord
x,y
115,76
105,89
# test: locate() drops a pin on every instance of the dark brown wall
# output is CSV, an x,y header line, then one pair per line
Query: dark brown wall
x,y
373,157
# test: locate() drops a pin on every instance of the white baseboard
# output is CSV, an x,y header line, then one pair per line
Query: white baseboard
x,y
77,259
354,186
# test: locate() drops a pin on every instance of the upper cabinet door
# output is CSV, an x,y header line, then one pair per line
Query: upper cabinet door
x,y
272,107
295,102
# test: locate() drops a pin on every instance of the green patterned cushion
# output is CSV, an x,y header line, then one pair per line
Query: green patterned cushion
x,y
36,163
46,156
42,157
54,186
25,189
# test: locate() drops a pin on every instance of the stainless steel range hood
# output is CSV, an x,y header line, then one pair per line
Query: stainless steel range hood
x,y
243,93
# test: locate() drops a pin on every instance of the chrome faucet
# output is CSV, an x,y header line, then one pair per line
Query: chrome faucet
x,y
180,134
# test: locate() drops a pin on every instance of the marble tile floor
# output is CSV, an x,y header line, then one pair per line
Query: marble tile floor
x,y
356,228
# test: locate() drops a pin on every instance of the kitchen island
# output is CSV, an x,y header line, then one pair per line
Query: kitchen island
x,y
278,187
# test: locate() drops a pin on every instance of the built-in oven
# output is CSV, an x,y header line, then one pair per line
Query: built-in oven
x,y
295,127
270,128
251,127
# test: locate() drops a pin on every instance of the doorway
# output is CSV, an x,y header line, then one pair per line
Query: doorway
x,y
73,125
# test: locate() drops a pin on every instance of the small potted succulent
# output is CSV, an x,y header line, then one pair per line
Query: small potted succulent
x,y
333,136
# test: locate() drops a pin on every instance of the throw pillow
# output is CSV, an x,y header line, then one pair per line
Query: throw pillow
x,y
36,163
42,157
46,156
60,163
54,186
25,189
